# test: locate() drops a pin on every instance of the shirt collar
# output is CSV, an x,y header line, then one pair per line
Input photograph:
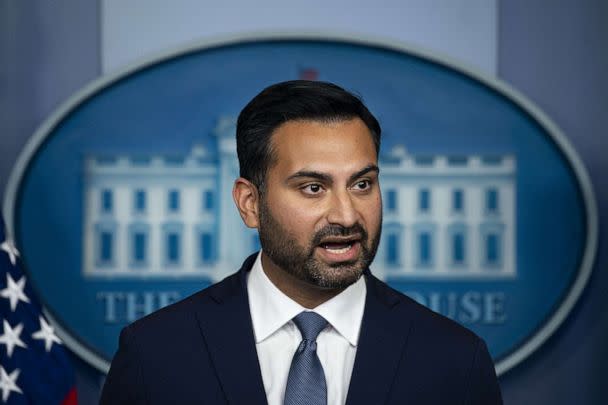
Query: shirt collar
x,y
271,309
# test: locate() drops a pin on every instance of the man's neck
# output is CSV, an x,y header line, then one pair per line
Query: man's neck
x,y
305,294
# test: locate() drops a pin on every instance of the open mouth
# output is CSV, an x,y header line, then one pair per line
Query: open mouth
x,y
340,247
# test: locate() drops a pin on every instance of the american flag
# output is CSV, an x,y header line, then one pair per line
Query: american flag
x,y
34,365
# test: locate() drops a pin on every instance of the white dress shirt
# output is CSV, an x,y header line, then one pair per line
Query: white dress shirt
x,y
277,337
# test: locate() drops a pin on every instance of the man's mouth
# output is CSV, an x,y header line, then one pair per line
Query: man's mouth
x,y
340,247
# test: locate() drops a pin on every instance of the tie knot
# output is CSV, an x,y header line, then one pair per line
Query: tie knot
x,y
310,324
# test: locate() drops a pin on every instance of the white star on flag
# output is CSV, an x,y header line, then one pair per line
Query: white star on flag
x,y
46,333
8,383
14,291
11,337
10,249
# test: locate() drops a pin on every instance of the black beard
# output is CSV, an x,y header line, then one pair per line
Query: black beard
x,y
284,251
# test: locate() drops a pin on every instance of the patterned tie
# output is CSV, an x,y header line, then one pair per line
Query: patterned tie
x,y
306,381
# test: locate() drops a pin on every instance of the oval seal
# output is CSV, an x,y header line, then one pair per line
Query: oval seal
x,y
121,201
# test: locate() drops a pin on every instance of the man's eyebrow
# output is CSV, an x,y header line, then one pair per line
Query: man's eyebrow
x,y
310,174
364,171
327,178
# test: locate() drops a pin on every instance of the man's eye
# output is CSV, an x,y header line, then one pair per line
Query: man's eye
x,y
362,185
312,189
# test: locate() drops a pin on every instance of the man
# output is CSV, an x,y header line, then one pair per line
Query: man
x,y
303,321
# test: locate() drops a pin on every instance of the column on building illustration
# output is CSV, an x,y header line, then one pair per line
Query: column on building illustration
x,y
492,230
139,231
425,229
393,230
106,230
206,230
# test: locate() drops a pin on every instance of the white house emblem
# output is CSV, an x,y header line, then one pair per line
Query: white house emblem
x,y
123,198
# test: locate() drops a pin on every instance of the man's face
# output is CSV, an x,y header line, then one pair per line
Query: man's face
x,y
321,212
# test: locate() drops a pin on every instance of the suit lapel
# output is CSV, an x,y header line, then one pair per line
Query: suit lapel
x,y
225,323
226,326
381,345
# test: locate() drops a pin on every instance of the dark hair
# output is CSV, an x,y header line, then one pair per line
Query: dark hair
x,y
291,101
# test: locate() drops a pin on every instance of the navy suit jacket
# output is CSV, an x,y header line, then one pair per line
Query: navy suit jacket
x,y
202,351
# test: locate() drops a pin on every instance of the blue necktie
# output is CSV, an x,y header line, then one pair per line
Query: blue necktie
x,y
306,381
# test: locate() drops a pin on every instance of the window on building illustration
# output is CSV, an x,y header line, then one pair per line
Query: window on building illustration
x,y
208,200
140,242
173,248
140,160
206,248
424,200
107,201
174,160
492,201
458,248
138,249
425,252
457,200
491,160
458,160
106,247
424,160
493,249
106,160
392,249
139,201
174,202
391,201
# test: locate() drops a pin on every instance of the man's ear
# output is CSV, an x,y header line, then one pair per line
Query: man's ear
x,y
247,199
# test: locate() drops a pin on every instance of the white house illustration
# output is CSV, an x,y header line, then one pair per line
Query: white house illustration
x,y
173,216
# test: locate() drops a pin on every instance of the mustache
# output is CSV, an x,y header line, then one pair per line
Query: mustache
x,y
339,230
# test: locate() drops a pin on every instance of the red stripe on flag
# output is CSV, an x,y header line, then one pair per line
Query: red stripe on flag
x,y
70,398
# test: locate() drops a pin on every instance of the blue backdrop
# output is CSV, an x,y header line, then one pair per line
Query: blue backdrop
x,y
544,52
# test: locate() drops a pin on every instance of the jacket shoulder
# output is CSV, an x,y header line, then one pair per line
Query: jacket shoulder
x,y
159,355
184,311
445,361
425,321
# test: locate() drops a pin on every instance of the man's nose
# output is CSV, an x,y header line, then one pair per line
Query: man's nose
x,y
342,210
